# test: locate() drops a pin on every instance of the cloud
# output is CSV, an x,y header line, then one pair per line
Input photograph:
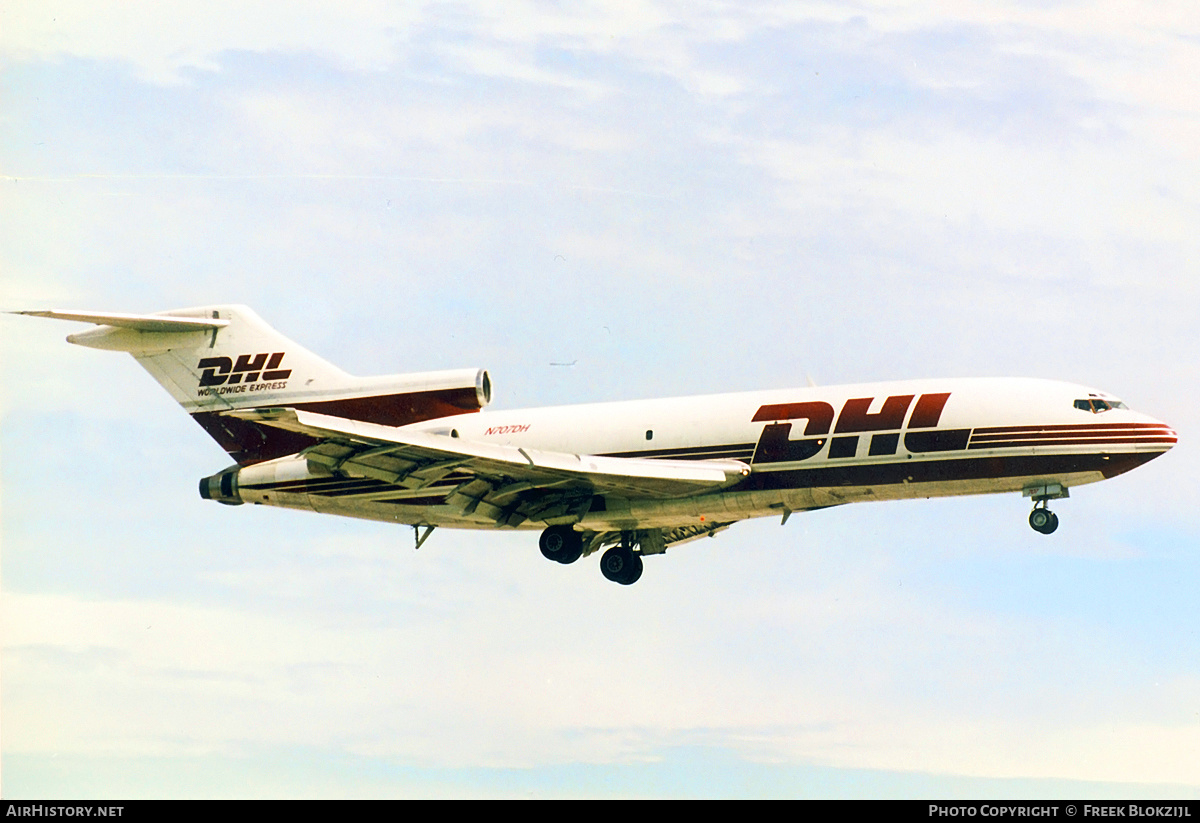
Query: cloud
x,y
460,658
162,39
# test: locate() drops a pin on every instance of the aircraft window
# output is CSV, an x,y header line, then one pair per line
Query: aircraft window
x,y
1096,405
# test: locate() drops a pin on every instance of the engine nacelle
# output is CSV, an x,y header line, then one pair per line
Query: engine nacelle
x,y
222,487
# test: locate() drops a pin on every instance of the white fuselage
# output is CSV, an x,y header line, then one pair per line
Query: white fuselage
x,y
807,448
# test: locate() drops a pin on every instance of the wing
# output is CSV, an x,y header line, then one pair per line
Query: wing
x,y
504,483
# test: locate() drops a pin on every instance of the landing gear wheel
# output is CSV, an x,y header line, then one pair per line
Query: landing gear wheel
x,y
635,571
621,565
561,544
1043,520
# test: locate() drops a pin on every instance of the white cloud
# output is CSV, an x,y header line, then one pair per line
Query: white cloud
x,y
453,683
164,38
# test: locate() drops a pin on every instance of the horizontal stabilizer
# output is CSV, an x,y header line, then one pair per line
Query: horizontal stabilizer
x,y
138,322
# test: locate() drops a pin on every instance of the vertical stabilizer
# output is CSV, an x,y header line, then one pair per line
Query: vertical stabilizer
x,y
225,357
215,359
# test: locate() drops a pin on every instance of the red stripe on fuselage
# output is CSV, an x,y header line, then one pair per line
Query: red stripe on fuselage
x,y
1095,434
1079,427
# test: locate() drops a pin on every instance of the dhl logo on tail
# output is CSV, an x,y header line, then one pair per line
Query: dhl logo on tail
x,y
220,371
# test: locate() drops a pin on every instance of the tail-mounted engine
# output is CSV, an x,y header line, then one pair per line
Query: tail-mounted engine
x,y
222,487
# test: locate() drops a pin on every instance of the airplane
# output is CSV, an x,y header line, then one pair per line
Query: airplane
x,y
630,478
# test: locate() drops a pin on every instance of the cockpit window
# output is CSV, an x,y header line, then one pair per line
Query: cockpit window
x,y
1095,405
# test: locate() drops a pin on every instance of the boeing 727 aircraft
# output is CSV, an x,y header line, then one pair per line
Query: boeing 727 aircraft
x,y
629,478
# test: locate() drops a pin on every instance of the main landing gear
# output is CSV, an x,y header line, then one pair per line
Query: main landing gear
x,y
561,543
619,564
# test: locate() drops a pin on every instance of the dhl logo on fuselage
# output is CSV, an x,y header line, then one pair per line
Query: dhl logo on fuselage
x,y
774,446
249,368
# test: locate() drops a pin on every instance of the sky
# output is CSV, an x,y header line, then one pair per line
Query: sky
x,y
678,199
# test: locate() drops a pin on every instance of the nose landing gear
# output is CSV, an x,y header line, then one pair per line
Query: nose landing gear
x,y
1041,519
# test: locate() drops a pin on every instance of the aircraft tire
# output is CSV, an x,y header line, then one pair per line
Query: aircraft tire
x,y
635,571
620,565
1043,521
561,544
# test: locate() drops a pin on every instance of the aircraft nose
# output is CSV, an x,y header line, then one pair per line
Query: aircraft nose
x,y
1156,433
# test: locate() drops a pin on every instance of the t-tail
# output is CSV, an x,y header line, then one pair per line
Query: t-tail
x,y
215,359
